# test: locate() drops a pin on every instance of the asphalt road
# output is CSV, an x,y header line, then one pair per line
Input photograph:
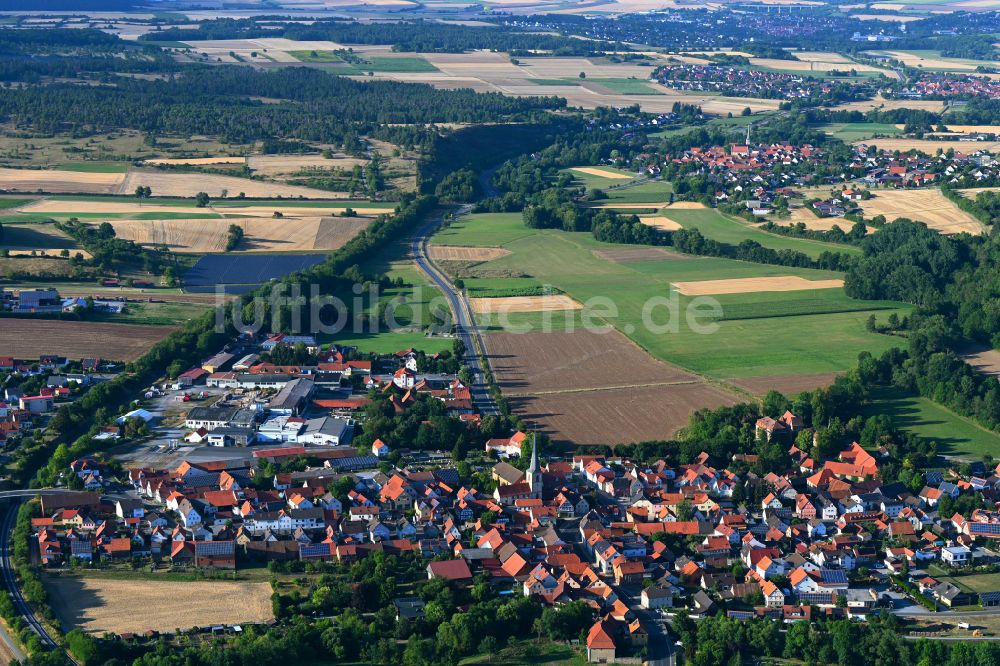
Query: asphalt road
x,y
465,324
10,581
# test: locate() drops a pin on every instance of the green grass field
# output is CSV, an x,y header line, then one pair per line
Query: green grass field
x,y
849,132
980,582
315,56
955,435
755,342
556,82
652,191
388,64
713,224
6,203
95,167
158,314
627,86
484,230
35,237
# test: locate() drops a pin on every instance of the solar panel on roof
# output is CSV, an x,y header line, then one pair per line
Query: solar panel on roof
x,y
834,576
211,548
984,528
992,597
314,549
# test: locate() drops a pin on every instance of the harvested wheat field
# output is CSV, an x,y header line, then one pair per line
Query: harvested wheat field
x,y
753,285
283,165
507,304
927,205
660,222
59,182
603,173
57,208
166,184
28,338
456,253
98,605
879,102
799,213
303,234
930,146
596,388
686,205
196,161
976,129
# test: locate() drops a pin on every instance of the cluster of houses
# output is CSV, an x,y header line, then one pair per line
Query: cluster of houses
x,y
738,82
20,412
941,85
819,538
306,404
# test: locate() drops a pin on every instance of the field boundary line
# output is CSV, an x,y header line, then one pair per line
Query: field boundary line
x,y
620,387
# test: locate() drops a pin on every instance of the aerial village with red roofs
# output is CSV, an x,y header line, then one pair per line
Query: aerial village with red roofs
x,y
249,463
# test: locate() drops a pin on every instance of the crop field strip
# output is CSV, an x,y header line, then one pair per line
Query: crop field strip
x,y
27,338
797,339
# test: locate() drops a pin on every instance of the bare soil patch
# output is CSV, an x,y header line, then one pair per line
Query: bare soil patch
x,y
660,222
629,255
596,388
984,359
787,384
603,173
753,285
927,205
930,146
799,213
29,338
456,253
98,605
57,181
552,303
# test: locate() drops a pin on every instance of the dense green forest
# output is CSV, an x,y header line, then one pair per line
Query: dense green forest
x,y
224,102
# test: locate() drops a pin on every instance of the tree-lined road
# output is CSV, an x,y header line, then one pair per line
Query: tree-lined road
x,y
465,323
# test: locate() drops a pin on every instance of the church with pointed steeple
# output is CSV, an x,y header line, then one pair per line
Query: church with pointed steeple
x,y
534,475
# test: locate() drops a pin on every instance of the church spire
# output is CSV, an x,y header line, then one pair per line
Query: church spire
x,y
533,473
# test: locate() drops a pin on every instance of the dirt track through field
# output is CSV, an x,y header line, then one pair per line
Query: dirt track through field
x,y
98,605
753,285
588,387
30,338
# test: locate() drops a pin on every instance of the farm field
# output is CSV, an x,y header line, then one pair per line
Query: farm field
x,y
496,305
931,146
28,338
451,253
245,269
627,86
753,285
933,61
299,234
955,435
716,226
99,605
594,388
799,213
170,184
983,359
924,205
60,180
851,132
812,334
108,208
35,237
